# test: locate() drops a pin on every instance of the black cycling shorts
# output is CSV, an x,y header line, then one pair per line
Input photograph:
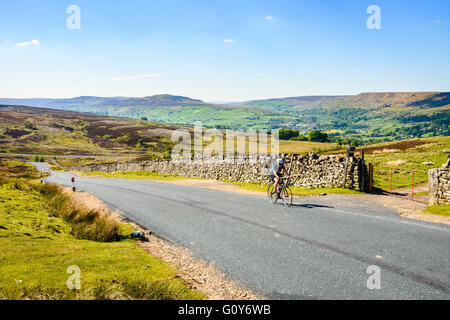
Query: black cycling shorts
x,y
272,177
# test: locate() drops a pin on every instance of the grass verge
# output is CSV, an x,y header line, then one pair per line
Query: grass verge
x,y
437,210
143,175
42,234
139,175
297,191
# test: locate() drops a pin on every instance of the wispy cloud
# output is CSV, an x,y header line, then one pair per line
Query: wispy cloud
x,y
269,18
33,42
228,40
437,21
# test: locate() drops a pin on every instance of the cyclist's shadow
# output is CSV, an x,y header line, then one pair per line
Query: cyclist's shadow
x,y
310,206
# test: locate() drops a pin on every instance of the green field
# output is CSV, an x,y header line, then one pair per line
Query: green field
x,y
422,155
404,156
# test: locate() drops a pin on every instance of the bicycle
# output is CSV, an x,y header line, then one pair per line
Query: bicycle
x,y
285,193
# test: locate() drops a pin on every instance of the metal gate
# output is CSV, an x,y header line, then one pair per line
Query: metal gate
x,y
405,183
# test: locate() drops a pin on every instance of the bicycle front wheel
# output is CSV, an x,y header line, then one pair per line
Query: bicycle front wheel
x,y
286,196
272,196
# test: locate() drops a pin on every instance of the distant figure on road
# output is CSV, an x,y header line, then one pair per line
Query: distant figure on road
x,y
73,184
276,174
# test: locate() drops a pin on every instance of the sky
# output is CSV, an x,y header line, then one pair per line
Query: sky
x,y
222,51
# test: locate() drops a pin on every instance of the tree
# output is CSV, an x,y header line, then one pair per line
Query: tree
x,y
354,143
286,134
317,136
168,153
144,118
29,125
299,138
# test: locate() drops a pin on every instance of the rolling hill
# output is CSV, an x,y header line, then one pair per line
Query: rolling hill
x,y
366,117
362,100
35,130
369,117
169,109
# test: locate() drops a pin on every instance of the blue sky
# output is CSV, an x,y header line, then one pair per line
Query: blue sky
x,y
222,50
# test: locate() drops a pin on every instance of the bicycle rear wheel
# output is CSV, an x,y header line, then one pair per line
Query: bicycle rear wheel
x,y
286,196
271,195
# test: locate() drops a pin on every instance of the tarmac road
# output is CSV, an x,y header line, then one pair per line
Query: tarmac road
x,y
320,248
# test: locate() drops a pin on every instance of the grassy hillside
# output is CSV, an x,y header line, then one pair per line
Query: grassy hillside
x,y
367,117
211,115
417,154
57,132
169,109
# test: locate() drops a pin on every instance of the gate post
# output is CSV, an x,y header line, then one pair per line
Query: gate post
x,y
363,171
390,180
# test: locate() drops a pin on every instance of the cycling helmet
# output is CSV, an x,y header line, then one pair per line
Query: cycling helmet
x,y
280,161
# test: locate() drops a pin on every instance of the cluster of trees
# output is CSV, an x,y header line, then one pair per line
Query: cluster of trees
x,y
293,134
288,134
318,136
39,158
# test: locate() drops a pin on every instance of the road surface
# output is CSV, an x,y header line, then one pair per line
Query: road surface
x,y
321,248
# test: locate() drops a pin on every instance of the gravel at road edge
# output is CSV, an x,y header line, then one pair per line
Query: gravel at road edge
x,y
198,274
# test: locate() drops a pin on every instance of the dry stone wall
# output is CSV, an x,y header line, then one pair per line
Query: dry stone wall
x,y
311,171
439,184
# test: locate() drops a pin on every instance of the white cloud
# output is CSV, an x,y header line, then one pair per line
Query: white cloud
x,y
33,42
7,42
228,40
269,18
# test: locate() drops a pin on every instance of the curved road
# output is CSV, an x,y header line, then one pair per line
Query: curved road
x,y
321,248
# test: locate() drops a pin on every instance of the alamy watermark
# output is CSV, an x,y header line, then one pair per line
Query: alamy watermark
x,y
74,281
374,280
73,22
223,146
374,20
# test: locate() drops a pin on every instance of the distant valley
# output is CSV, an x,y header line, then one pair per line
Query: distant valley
x,y
366,117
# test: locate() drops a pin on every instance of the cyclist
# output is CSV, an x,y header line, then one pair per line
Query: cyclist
x,y
276,174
